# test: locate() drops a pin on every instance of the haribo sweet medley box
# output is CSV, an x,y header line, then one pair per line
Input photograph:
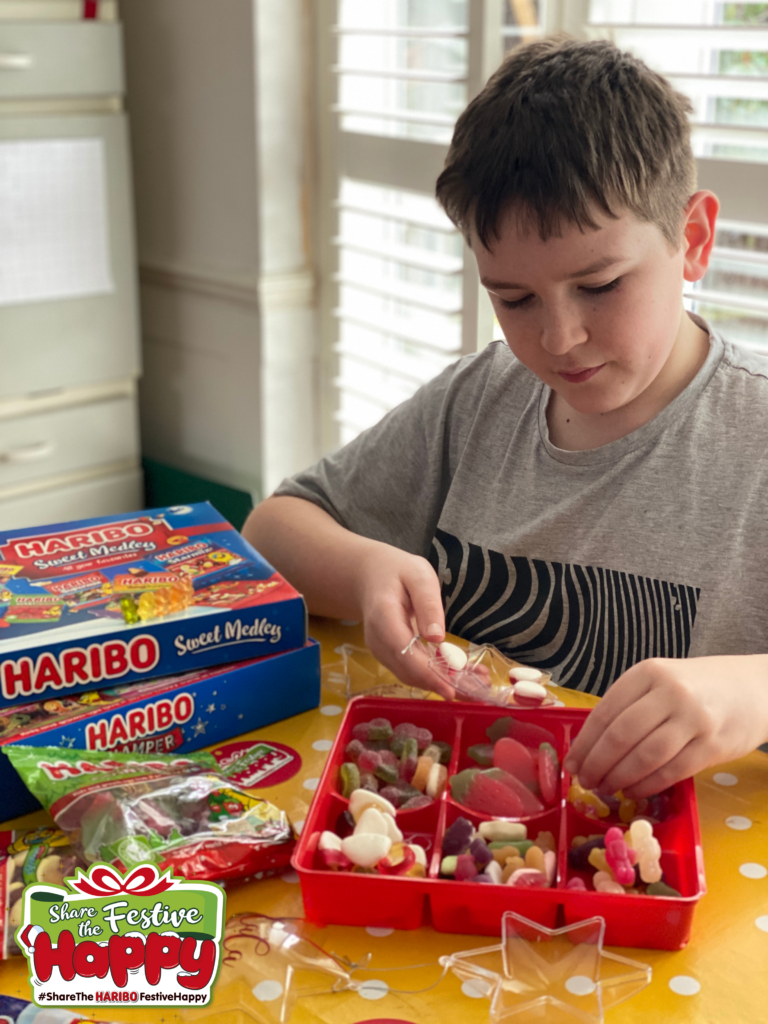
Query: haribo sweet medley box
x,y
101,602
175,714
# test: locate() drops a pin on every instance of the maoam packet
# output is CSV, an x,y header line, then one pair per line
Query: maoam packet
x,y
107,601
179,813
175,714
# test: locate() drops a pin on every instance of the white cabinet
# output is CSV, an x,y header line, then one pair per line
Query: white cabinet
x,y
69,333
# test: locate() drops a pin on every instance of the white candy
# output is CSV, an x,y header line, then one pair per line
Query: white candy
x,y
372,822
393,831
419,853
361,798
365,850
521,673
502,831
329,841
530,690
493,869
455,657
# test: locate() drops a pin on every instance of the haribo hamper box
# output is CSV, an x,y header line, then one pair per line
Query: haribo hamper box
x,y
164,716
78,600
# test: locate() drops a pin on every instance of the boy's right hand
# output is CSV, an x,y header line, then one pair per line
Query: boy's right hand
x,y
400,596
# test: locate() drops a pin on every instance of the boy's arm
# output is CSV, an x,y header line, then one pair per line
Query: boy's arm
x,y
668,718
344,575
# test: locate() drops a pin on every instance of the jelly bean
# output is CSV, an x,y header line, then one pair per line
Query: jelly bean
x,y
361,799
619,856
130,610
512,865
350,778
416,802
534,858
549,774
493,870
445,751
482,753
647,849
528,878
661,889
494,831
511,756
576,883
353,750
527,733
480,852
448,864
437,780
365,849
388,773
454,657
465,868
420,776
524,673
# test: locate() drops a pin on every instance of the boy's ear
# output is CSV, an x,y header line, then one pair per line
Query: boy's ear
x,y
699,233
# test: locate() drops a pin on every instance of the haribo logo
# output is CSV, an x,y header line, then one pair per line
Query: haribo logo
x,y
109,660
58,543
108,733
142,938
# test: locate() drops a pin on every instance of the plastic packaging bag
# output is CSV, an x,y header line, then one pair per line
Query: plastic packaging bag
x,y
485,675
177,812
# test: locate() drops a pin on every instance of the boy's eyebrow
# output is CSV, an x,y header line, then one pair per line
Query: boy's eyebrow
x,y
593,268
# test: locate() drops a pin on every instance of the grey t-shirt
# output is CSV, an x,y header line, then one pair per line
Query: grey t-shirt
x,y
579,562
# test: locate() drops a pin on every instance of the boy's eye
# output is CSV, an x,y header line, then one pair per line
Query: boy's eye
x,y
603,287
517,303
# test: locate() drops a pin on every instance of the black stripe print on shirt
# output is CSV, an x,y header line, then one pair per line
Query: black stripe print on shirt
x,y
585,624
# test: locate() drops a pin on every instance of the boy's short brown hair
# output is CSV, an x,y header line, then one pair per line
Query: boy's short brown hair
x,y
563,125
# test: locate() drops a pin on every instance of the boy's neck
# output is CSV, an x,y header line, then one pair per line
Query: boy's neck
x,y
575,432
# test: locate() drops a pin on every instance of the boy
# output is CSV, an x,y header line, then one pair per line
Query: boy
x,y
590,496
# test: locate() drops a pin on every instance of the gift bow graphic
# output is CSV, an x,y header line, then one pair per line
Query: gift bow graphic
x,y
105,881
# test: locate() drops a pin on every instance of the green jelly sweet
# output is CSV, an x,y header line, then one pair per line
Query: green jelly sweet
x,y
350,779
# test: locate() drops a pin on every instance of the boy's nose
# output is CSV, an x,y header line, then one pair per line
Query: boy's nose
x,y
561,331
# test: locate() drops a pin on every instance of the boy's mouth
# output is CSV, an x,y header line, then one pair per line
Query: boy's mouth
x,y
580,375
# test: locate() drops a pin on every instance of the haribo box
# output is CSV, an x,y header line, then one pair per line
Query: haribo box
x,y
164,716
100,602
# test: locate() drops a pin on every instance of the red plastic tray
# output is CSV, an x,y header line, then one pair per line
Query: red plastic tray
x,y
339,897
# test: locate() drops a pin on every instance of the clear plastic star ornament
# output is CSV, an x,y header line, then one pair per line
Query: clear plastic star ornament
x,y
560,975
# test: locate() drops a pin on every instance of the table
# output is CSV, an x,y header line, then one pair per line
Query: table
x,y
720,975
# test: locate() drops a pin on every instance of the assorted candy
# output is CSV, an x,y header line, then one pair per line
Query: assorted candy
x,y
177,812
368,840
616,806
622,861
498,852
404,764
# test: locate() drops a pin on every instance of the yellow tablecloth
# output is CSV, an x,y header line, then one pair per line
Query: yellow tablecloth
x,y
725,965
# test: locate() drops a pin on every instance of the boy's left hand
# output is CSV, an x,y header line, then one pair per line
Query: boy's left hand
x,y
668,718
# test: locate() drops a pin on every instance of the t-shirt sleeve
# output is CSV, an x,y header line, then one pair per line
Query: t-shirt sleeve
x,y
390,482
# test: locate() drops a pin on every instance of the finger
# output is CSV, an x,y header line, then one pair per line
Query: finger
x,y
657,748
694,757
388,635
624,734
628,689
423,589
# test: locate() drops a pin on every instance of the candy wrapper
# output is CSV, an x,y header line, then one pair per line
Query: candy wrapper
x,y
30,855
176,812
482,673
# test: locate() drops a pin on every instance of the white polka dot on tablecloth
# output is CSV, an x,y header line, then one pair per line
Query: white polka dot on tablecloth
x,y
322,744
738,822
330,710
684,985
373,989
753,870
762,923
379,933
725,779
580,985
290,877
311,784
298,826
476,989
268,990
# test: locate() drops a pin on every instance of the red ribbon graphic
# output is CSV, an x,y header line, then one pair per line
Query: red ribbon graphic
x,y
105,881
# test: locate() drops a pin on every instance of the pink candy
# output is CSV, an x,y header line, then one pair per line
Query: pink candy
x,y
620,857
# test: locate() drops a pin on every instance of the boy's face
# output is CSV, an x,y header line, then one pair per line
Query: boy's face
x,y
595,315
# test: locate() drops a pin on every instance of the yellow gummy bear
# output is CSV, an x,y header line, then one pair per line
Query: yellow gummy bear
x,y
586,801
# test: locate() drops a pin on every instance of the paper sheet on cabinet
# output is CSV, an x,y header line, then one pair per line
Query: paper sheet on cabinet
x,y
54,242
